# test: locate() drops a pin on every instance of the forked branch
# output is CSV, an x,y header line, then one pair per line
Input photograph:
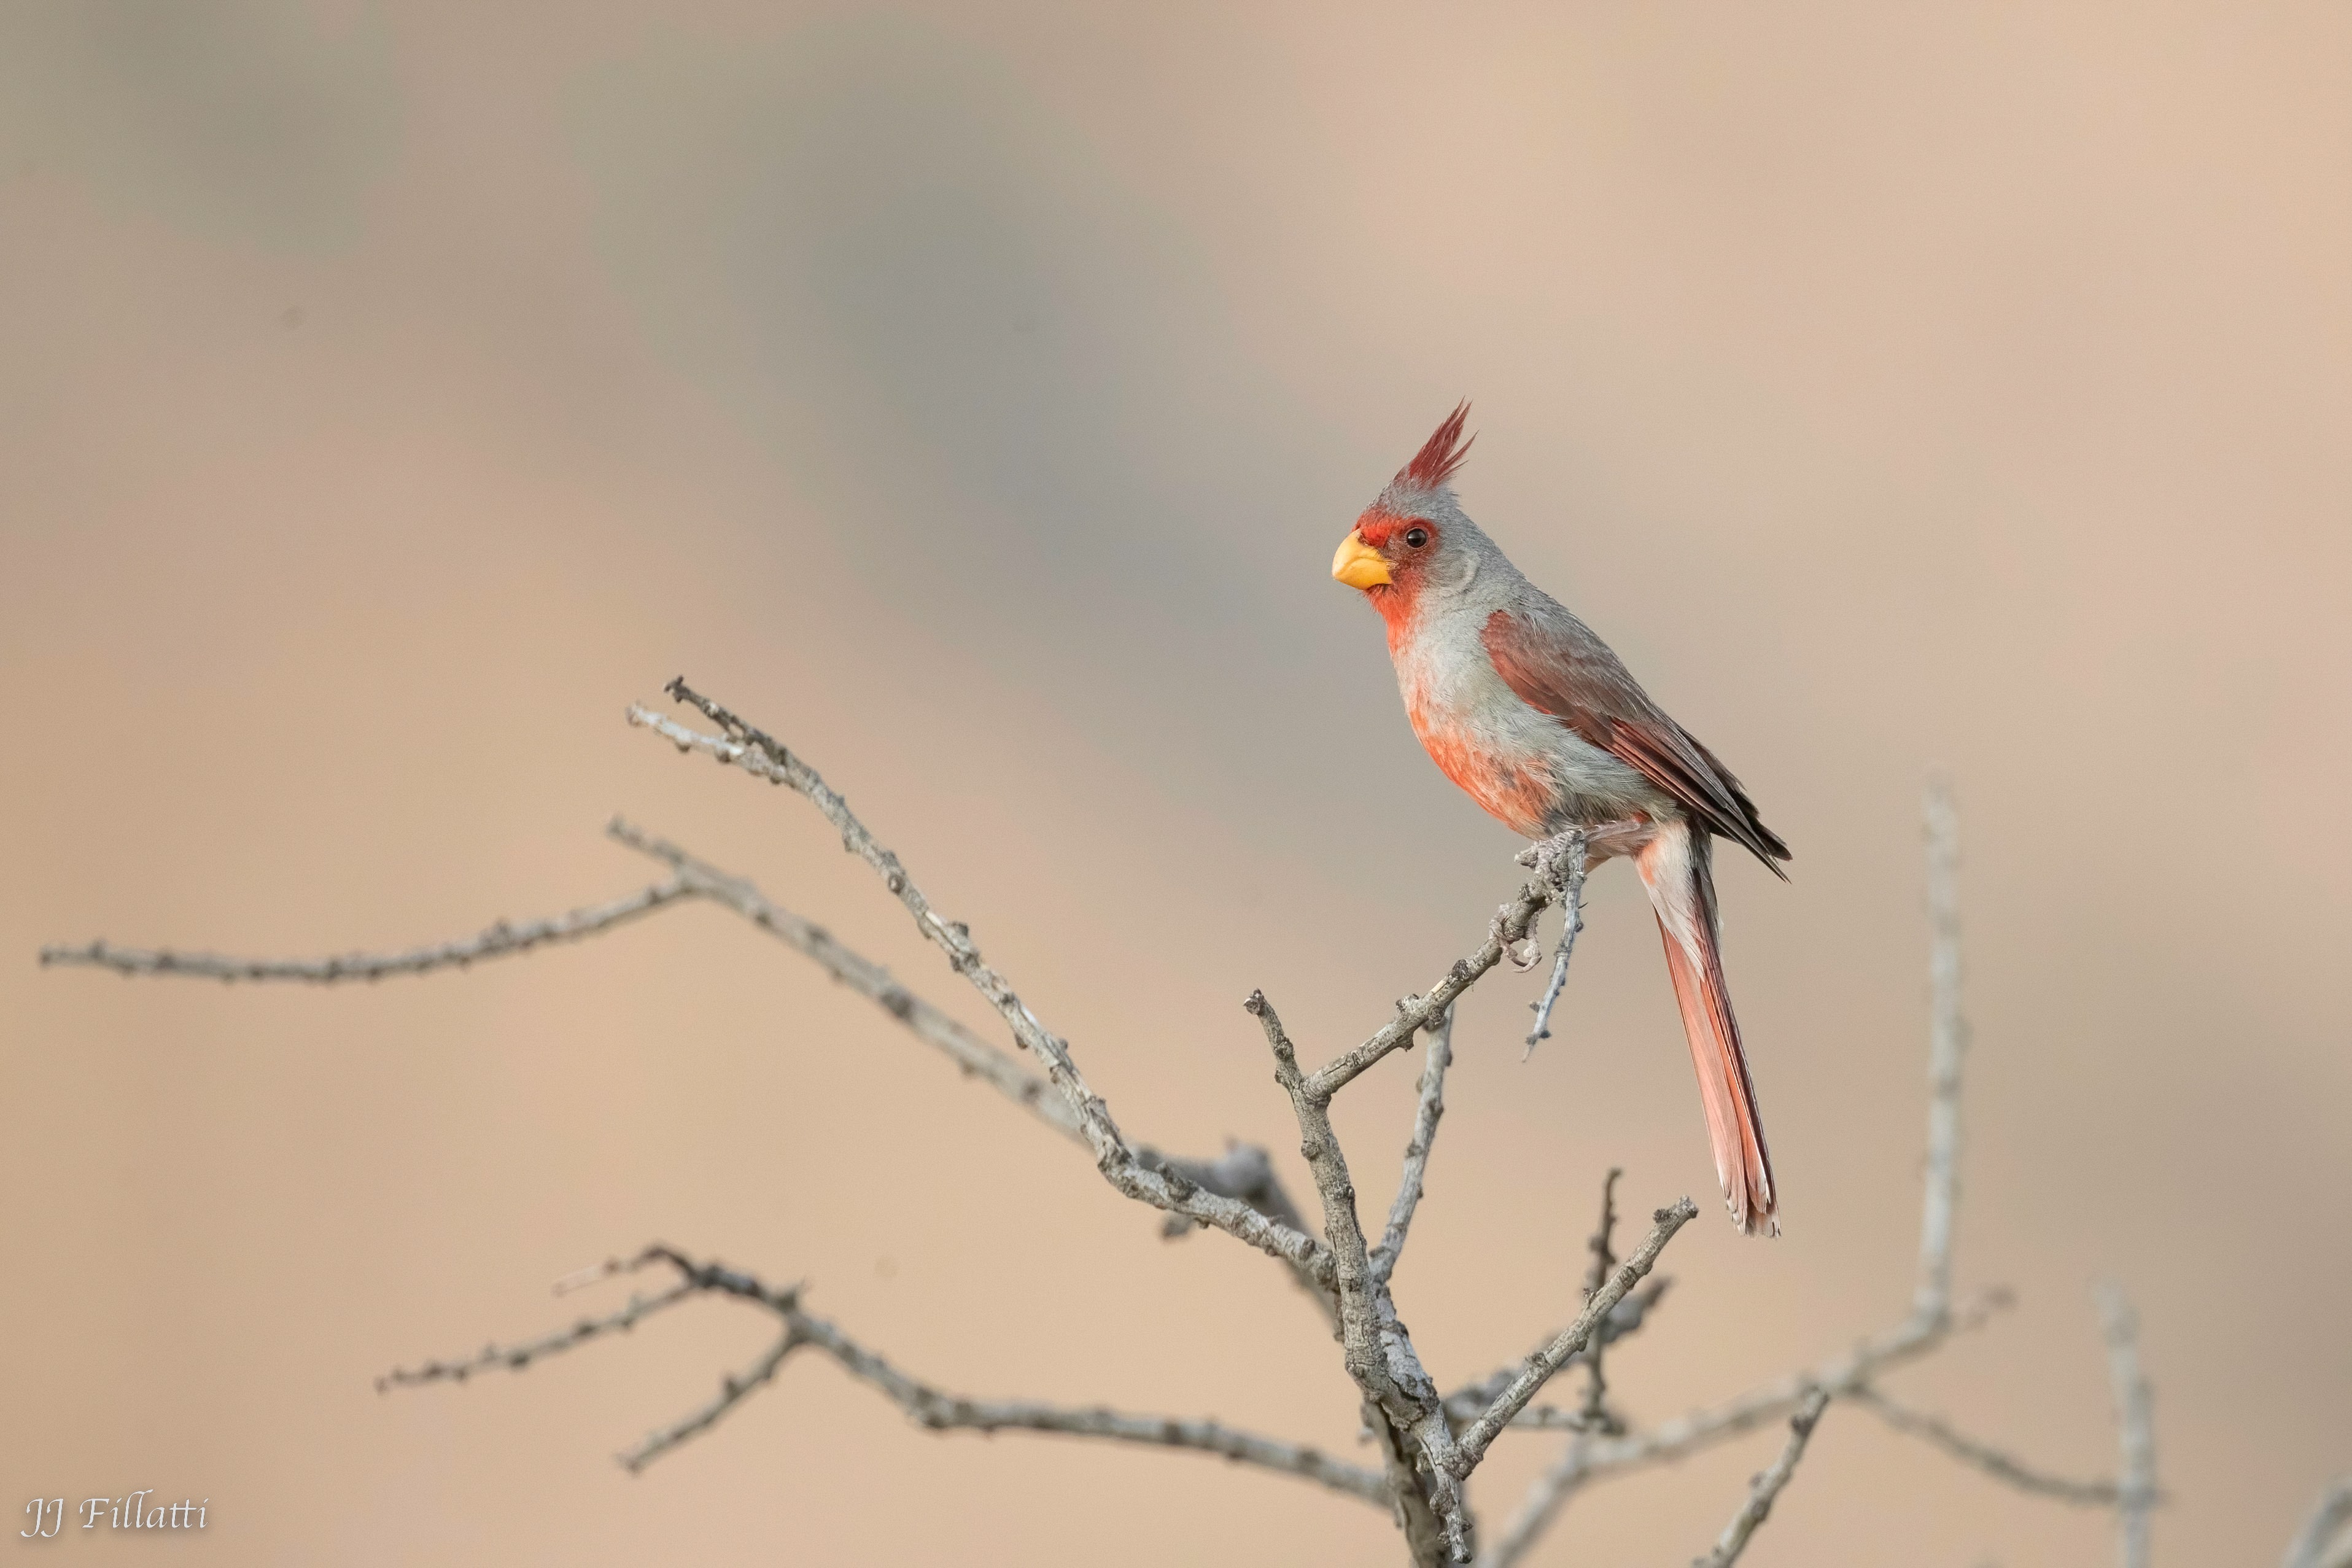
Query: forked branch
x,y
742,745
929,1407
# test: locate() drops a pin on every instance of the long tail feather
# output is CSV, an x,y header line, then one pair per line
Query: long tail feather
x,y
1675,866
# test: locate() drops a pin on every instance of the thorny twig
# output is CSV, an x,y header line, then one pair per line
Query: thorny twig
x,y
1540,1366
1414,1013
1438,1055
515,1357
963,1046
1465,1403
929,1407
1596,1385
1768,1487
501,940
742,746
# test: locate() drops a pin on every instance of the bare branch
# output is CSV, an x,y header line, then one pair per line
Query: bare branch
x,y
1947,1035
1466,1404
744,747
2329,1516
934,1027
2135,1425
1540,1366
1509,928
733,1389
1244,1171
1431,1106
1562,862
1768,1487
1377,1351
1596,1385
501,940
1554,1418
930,1407
692,878
1512,925
940,1412
515,1358
1969,1450
1838,1376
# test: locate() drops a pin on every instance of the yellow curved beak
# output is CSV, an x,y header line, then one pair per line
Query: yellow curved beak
x,y
1358,564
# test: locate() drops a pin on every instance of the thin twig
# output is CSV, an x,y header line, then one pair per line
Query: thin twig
x,y
936,1411
930,1407
1838,1375
1509,929
932,1026
1562,862
1431,1107
2135,1425
1942,1434
733,1389
1469,1401
1596,1384
1377,1353
516,1357
501,940
1768,1487
1523,1388
1947,1037
742,746
1554,1418
1244,1170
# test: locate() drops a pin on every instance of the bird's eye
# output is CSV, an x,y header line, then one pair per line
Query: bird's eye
x,y
1416,537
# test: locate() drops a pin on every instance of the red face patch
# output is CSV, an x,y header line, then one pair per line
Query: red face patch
x,y
1398,538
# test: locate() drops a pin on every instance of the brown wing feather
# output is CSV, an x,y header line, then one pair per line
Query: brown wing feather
x,y
1558,665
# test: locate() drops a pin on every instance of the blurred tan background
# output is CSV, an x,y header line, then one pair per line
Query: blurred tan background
x,y
973,395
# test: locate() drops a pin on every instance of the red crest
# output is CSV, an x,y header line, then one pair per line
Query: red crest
x,y
1440,454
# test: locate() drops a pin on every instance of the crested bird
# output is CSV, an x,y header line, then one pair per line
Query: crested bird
x,y
1519,702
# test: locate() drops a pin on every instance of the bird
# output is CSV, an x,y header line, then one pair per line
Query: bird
x,y
1523,706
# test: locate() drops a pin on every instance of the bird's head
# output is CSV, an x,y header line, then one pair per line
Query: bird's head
x,y
1413,540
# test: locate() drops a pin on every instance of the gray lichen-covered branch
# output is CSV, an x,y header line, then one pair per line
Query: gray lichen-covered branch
x,y
2001,1467
1768,1486
751,750
501,939
931,1408
1437,1055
